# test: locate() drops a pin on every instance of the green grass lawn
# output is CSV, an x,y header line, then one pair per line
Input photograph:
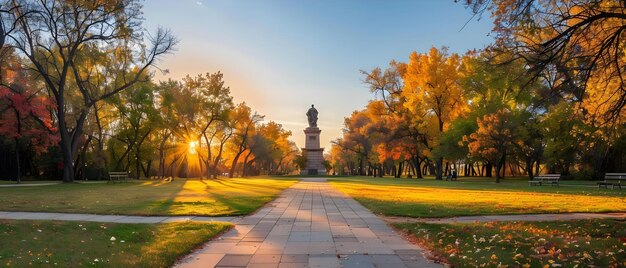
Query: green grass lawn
x,y
219,197
476,196
586,243
5,182
80,244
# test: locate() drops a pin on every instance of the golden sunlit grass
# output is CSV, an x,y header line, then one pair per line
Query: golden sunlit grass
x,y
89,244
218,197
429,198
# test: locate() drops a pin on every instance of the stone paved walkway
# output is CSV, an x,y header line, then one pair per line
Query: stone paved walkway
x,y
310,225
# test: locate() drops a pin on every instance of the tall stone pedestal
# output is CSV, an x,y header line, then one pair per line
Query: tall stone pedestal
x,y
314,154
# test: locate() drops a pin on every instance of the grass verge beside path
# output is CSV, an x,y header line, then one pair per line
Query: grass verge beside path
x,y
4,182
79,244
586,243
430,198
215,197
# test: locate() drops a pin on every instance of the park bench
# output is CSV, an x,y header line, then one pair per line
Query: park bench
x,y
452,176
612,179
119,176
552,179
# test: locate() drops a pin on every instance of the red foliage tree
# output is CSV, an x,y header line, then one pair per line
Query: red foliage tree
x,y
25,113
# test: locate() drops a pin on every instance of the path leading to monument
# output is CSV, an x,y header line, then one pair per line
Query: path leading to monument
x,y
310,225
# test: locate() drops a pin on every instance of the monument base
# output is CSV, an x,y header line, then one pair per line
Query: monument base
x,y
313,153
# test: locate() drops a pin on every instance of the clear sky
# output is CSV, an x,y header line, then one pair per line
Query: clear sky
x,y
282,56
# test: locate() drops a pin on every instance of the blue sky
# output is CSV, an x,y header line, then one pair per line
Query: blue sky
x,y
282,56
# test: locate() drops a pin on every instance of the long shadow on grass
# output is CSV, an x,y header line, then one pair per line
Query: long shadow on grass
x,y
480,185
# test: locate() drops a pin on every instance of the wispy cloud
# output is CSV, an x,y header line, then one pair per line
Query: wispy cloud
x,y
199,3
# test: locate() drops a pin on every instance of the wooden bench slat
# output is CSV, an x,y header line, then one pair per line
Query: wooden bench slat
x,y
118,175
553,179
612,179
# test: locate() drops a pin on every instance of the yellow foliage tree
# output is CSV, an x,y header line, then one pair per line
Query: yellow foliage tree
x,y
432,92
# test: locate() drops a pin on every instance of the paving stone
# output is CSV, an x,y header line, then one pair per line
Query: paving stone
x,y
72,217
297,249
356,261
293,265
262,265
325,262
139,219
253,239
345,239
234,260
299,237
295,258
203,260
321,236
270,250
387,261
265,258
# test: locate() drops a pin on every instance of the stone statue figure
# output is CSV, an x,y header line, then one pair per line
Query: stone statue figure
x,y
311,115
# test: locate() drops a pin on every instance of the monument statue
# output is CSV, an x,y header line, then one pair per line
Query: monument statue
x,y
311,114
312,151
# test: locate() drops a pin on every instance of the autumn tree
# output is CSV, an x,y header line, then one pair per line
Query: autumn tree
x,y
272,151
179,108
25,118
432,91
578,40
212,123
404,139
355,139
137,118
389,83
494,81
493,139
84,51
244,122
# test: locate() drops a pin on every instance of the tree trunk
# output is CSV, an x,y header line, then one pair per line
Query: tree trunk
x,y
66,151
488,170
500,166
234,164
138,153
245,163
18,177
529,168
537,168
418,170
161,172
439,166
